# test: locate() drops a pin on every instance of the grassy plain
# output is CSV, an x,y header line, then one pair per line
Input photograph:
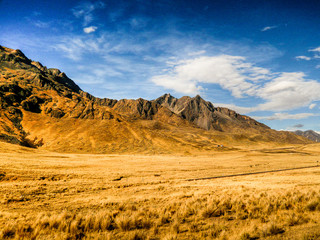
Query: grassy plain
x,y
47,195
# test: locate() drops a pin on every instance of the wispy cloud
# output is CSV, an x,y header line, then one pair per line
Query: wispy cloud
x,y
41,24
312,106
201,52
138,22
303,58
85,11
298,125
288,91
267,28
316,56
90,29
285,116
315,50
75,46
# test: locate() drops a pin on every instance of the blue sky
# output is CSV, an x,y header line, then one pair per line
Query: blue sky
x,y
260,58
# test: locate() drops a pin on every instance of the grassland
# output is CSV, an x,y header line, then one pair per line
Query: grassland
x,y
47,195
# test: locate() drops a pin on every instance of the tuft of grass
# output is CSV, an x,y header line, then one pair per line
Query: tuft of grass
x,y
24,232
272,229
123,222
136,235
211,211
313,205
245,236
170,236
9,231
296,219
215,231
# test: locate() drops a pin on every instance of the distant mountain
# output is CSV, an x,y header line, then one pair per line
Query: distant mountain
x,y
206,116
312,135
42,107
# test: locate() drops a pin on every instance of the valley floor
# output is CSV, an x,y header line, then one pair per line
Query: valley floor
x,y
47,195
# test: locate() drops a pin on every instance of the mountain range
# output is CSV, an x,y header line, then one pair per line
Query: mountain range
x,y
42,107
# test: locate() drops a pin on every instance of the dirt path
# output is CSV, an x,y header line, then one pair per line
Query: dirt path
x,y
252,173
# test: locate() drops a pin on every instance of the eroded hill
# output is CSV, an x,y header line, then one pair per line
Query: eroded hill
x,y
42,107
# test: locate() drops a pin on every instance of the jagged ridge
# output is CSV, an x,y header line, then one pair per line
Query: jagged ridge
x,y
205,115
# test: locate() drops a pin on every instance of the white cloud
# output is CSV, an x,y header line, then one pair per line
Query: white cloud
x,y
85,11
285,116
268,28
303,58
311,106
318,66
279,91
90,29
288,91
315,50
230,72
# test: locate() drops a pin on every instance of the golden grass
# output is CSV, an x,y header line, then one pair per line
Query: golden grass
x,y
46,195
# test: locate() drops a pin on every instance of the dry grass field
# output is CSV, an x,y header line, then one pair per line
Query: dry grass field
x,y
47,195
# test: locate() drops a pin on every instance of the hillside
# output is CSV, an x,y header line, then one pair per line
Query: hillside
x,y
42,107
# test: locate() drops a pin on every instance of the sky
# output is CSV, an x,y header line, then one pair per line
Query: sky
x,y
259,57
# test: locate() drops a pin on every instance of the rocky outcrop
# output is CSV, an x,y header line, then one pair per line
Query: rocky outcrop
x,y
139,108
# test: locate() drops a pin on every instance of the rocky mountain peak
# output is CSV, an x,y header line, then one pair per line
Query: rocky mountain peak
x,y
205,115
14,57
35,72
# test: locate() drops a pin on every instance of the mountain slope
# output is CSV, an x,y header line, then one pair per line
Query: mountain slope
x,y
42,107
312,135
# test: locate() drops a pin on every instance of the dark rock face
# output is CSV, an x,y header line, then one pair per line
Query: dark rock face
x,y
139,108
32,104
311,135
205,115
